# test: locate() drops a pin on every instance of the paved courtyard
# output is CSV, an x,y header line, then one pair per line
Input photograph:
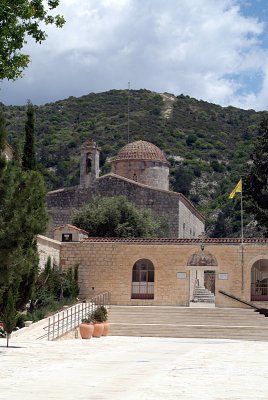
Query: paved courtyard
x,y
129,368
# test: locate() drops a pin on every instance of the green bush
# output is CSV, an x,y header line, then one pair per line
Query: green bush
x,y
100,314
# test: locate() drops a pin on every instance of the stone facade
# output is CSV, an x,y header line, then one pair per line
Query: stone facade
x,y
142,162
48,248
152,173
69,233
141,175
181,216
107,264
89,164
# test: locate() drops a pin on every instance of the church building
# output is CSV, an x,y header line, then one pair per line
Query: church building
x,y
183,269
140,171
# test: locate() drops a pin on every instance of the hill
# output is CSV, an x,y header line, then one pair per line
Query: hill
x,y
208,146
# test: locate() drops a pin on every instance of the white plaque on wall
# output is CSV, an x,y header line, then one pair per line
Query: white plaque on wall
x,y
223,276
181,275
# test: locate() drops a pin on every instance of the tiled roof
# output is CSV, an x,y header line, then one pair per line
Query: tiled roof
x,y
141,150
175,240
71,227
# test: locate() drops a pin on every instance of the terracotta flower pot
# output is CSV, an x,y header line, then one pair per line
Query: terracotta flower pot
x,y
86,330
98,329
106,328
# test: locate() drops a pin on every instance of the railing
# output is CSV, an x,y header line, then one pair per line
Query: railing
x,y
142,290
196,284
263,311
66,320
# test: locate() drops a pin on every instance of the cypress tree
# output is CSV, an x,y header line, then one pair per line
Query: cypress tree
x,y
29,158
23,215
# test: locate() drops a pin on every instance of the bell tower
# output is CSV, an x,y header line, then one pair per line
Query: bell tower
x,y
89,163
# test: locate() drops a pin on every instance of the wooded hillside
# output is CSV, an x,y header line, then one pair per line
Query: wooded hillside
x,y
208,146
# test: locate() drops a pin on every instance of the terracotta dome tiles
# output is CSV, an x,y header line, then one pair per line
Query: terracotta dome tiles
x,y
141,150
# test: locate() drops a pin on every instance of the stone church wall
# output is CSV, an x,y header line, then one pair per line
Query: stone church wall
x,y
151,173
190,225
169,206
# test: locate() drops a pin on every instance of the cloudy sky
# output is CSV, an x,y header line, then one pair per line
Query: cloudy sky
x,y
215,50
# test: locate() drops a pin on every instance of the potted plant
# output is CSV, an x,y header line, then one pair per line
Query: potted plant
x,y
86,327
98,318
105,319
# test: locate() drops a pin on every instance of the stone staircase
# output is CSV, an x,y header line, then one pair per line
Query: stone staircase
x,y
203,295
185,322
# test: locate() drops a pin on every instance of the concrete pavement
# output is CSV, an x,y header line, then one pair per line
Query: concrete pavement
x,y
129,368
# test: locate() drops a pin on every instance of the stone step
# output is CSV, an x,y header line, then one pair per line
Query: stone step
x,y
177,309
191,331
204,294
184,319
187,322
202,291
200,323
190,311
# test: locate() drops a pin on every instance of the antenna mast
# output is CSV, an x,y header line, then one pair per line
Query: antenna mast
x,y
128,112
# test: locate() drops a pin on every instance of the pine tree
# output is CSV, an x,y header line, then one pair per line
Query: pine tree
x,y
29,158
256,179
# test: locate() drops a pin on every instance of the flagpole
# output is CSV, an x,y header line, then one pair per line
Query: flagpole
x,y
242,222
242,236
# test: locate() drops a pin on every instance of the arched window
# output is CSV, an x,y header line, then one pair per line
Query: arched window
x,y
259,280
88,164
135,177
142,280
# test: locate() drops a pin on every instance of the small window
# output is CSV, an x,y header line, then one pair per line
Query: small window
x,y
135,177
67,237
88,164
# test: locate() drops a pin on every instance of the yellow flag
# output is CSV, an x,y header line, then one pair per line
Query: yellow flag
x,y
237,189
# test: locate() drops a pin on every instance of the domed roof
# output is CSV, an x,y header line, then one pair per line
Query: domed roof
x,y
141,150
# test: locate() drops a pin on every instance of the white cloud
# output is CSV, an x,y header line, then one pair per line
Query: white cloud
x,y
195,47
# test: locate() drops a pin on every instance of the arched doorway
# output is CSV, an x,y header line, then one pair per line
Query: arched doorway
x,y
202,266
259,280
142,280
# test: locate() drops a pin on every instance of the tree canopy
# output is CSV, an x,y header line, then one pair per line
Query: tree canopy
x,y
256,179
116,217
22,216
20,19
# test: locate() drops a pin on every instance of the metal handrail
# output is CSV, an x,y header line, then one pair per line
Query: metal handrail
x,y
65,321
196,283
260,310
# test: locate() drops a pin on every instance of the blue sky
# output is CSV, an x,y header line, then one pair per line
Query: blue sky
x,y
214,50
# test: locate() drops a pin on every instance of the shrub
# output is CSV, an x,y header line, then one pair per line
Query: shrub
x,y
99,315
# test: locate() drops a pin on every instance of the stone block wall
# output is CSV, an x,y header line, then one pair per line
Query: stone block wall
x,y
170,206
150,173
48,247
108,266
190,225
